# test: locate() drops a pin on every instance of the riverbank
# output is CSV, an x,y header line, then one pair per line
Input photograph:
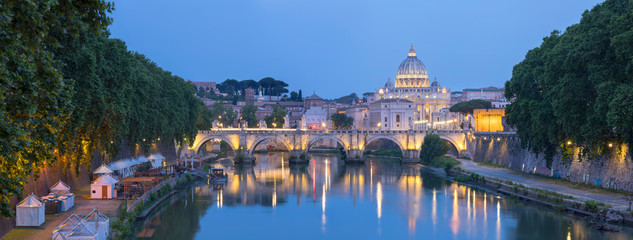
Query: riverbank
x,y
599,204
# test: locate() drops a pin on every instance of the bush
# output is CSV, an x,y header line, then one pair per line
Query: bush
x,y
432,147
444,162
462,178
303,156
189,177
152,197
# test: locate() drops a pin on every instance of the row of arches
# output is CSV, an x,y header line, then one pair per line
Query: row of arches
x,y
226,145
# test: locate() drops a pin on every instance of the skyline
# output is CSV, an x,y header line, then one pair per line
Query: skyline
x,y
473,45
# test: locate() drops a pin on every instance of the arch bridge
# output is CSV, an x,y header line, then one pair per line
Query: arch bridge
x,y
297,141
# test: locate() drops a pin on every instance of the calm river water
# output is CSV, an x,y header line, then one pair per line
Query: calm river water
x,y
328,199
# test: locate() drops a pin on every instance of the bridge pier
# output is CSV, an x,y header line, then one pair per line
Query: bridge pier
x,y
411,156
295,156
243,157
354,156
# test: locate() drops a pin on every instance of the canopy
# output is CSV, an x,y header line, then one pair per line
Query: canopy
x,y
66,226
30,212
60,187
30,201
81,231
156,160
156,156
105,180
141,159
99,222
103,169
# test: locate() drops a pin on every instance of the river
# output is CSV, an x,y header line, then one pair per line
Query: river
x,y
381,199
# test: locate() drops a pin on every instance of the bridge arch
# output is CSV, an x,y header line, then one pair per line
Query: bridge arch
x,y
315,139
261,139
454,144
396,141
200,142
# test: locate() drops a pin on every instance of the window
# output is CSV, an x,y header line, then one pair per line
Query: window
x,y
385,120
397,118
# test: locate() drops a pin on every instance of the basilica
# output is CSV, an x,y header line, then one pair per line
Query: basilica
x,y
412,101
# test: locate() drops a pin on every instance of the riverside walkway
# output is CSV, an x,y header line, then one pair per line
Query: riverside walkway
x,y
583,193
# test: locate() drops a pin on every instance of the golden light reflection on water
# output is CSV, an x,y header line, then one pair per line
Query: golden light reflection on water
x,y
379,199
498,219
455,216
434,210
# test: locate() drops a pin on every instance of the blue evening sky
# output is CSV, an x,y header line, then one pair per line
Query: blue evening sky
x,y
336,47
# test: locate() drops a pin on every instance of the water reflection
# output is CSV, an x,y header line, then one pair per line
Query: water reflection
x,y
328,199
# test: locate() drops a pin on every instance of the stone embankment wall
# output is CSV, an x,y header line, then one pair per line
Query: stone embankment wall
x,y
49,175
613,169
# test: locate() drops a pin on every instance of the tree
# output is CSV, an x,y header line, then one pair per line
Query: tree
x,y
349,99
268,83
294,96
432,147
277,118
35,96
248,115
229,86
576,86
225,115
300,96
342,121
467,107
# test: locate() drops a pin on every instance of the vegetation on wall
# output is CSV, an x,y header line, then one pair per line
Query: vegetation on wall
x,y
468,107
277,118
68,91
340,121
433,147
577,87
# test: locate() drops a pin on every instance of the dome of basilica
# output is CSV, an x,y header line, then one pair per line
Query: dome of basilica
x,y
412,66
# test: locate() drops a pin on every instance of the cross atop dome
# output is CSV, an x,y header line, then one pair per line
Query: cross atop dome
x,y
411,51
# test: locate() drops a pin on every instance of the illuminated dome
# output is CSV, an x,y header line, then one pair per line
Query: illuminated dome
x,y
412,67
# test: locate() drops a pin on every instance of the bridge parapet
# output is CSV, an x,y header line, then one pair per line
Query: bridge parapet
x,y
245,140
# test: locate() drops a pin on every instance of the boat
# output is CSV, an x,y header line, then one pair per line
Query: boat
x,y
217,175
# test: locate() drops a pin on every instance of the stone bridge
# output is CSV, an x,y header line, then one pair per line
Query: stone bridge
x,y
297,141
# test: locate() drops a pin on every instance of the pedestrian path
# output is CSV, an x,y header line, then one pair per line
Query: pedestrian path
x,y
618,201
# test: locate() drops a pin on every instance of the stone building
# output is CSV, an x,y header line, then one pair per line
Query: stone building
x,y
489,120
313,101
392,114
412,84
249,95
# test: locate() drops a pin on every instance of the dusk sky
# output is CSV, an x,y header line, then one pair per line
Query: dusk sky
x,y
339,47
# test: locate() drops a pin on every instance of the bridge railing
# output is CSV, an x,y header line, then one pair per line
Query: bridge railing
x,y
310,131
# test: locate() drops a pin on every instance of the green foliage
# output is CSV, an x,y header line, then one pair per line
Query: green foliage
x,y
385,152
224,114
467,107
592,206
444,162
463,178
578,85
432,147
248,115
349,99
342,121
303,156
35,98
277,117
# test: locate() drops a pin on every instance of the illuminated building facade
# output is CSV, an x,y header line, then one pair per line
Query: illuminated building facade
x,y
489,120
412,84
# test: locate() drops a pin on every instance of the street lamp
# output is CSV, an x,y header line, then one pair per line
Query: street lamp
x,y
378,125
323,125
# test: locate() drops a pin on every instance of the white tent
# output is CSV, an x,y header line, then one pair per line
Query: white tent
x,y
103,187
99,222
156,160
82,232
60,188
103,169
66,227
122,167
30,212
